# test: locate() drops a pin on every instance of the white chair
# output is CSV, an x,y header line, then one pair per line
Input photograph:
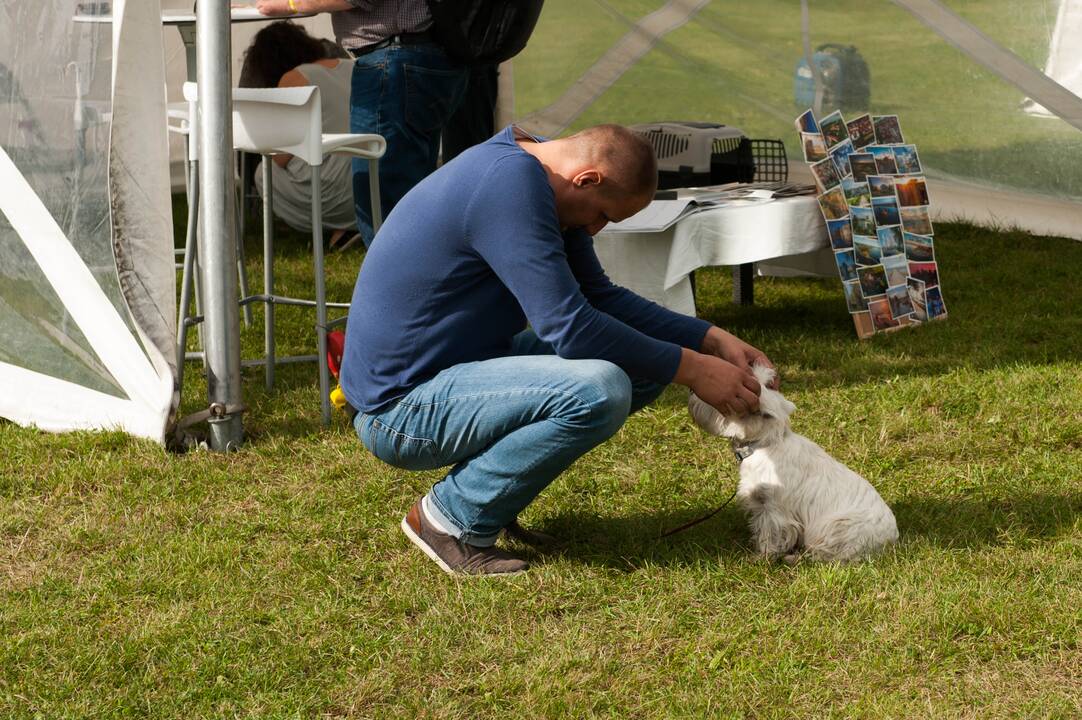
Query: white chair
x,y
289,120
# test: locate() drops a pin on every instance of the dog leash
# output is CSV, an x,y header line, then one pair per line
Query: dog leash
x,y
742,453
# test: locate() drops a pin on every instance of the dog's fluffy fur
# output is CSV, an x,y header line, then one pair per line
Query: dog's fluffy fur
x,y
801,500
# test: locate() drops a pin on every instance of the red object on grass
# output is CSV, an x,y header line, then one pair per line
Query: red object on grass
x,y
336,345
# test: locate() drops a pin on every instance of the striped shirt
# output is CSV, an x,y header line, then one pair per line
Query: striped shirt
x,y
372,21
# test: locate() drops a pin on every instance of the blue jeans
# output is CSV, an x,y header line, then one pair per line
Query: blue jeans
x,y
406,93
508,426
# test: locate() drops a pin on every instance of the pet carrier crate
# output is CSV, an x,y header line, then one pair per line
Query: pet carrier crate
x,y
691,154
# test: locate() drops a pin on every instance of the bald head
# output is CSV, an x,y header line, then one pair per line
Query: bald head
x,y
626,158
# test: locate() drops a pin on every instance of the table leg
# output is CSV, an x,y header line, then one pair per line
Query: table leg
x,y
744,284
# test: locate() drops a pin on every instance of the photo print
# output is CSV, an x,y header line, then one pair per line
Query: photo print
x,y
915,220
916,299
867,250
847,265
911,191
863,220
927,273
897,269
832,203
833,129
881,186
826,174
857,194
863,324
934,299
862,165
854,298
873,280
886,211
841,154
919,248
898,297
814,147
861,131
884,159
890,240
905,157
806,123
888,131
841,234
882,317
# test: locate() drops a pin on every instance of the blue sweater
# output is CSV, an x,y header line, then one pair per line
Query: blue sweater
x,y
472,254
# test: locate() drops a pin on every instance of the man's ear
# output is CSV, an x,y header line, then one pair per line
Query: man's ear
x,y
586,178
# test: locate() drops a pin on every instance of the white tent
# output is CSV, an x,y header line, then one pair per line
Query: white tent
x,y
87,282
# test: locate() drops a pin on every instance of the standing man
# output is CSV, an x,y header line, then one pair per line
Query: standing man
x,y
404,88
440,363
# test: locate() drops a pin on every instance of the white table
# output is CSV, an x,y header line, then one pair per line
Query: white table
x,y
783,236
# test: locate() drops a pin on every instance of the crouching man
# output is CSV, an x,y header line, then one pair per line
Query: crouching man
x,y
484,335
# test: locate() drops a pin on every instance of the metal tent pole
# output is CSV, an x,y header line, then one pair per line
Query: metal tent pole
x,y
218,248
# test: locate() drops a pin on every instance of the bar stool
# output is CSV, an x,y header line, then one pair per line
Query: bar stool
x,y
269,121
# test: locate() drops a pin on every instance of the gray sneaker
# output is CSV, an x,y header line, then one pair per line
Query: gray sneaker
x,y
456,557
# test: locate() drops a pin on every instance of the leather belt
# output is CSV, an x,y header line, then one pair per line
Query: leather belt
x,y
417,38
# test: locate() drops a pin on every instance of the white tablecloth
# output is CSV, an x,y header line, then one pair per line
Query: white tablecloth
x,y
787,232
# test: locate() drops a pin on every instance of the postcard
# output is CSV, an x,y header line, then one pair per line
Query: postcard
x,y
919,248
833,129
881,186
935,306
814,147
916,299
905,157
911,191
841,153
915,220
854,298
897,269
847,265
886,211
856,193
926,272
806,122
833,204
862,165
887,130
863,221
861,131
884,159
890,240
899,301
867,250
841,233
882,317
826,174
863,324
873,280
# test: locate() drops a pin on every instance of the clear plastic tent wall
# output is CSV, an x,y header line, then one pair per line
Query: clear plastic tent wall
x,y
87,299
989,152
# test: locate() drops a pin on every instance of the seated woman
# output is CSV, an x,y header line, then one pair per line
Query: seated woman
x,y
283,54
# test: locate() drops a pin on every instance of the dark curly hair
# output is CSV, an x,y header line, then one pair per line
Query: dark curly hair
x,y
277,49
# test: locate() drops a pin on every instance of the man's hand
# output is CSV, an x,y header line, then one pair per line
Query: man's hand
x,y
720,383
273,8
729,347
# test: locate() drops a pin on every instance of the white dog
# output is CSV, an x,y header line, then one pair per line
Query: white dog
x,y
801,500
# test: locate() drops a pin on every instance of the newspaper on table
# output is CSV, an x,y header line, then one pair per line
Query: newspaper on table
x,y
874,200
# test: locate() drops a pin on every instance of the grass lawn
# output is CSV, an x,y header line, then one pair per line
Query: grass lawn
x,y
275,583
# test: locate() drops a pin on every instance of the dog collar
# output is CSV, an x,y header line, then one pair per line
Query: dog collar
x,y
744,451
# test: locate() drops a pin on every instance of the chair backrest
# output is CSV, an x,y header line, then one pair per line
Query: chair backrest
x,y
272,120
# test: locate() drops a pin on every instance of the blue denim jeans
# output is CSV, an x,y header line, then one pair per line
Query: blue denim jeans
x,y
507,426
406,93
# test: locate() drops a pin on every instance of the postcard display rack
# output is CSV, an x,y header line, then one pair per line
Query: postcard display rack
x,y
874,199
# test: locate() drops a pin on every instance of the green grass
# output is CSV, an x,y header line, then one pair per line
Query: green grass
x,y
734,63
275,583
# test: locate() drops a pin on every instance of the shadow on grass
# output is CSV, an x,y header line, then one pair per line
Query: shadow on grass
x,y
630,542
